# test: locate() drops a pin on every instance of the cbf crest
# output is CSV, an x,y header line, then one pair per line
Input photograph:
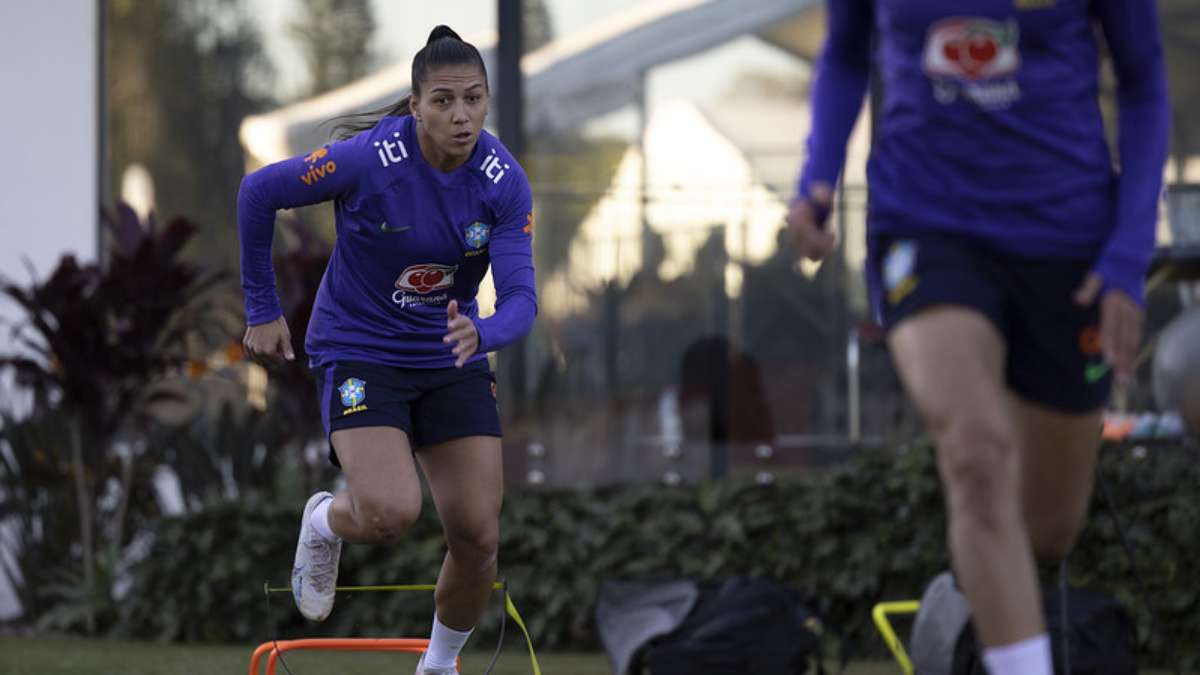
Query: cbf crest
x,y
353,391
899,264
478,233
899,270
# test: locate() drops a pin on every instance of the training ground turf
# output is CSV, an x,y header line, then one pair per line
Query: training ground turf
x,y
67,656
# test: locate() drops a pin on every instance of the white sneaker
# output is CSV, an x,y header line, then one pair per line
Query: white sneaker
x,y
422,670
314,572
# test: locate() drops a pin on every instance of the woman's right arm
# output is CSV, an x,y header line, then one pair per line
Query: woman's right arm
x,y
331,172
840,83
842,73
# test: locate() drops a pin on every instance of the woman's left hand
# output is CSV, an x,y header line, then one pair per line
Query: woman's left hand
x,y
1120,326
461,333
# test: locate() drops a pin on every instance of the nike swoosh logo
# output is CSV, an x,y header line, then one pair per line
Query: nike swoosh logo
x,y
383,227
1095,371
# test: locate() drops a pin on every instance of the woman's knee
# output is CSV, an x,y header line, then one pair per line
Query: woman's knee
x,y
978,462
1054,535
384,520
475,545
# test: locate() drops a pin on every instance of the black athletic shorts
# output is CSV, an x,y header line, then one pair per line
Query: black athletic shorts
x,y
430,405
1053,344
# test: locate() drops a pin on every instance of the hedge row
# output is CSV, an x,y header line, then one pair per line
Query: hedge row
x,y
868,530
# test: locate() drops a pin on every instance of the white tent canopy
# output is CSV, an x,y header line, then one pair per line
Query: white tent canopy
x,y
569,81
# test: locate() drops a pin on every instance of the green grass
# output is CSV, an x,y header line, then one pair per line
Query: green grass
x,y
67,656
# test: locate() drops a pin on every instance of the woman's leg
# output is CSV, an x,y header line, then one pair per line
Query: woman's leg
x,y
466,477
383,494
382,501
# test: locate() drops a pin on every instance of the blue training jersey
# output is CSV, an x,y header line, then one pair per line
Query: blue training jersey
x,y
410,238
991,125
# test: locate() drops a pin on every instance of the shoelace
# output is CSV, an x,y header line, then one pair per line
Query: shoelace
x,y
320,554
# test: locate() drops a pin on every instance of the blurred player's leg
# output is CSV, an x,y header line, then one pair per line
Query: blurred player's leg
x,y
1058,460
952,362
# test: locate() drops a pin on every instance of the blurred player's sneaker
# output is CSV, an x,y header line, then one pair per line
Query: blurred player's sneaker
x,y
422,670
314,572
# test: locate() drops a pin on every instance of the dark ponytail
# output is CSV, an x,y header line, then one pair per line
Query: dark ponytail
x,y
348,126
443,48
441,31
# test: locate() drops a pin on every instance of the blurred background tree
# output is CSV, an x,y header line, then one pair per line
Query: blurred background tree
x,y
181,78
337,40
1181,40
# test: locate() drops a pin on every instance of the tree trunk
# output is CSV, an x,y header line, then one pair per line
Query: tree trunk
x,y
86,522
123,505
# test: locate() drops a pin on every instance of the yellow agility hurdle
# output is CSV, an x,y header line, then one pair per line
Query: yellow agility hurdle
x,y
274,648
880,615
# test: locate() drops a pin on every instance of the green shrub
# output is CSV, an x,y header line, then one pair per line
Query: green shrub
x,y
871,529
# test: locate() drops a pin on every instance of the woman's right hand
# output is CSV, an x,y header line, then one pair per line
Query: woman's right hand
x,y
269,342
813,238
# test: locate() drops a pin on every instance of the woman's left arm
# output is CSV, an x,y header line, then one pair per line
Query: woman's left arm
x,y
511,253
1143,110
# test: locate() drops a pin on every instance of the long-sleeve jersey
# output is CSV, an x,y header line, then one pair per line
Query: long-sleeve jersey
x,y
410,238
991,125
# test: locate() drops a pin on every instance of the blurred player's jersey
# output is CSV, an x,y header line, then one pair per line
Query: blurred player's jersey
x,y
410,238
991,126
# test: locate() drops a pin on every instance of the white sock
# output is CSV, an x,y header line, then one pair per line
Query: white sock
x,y
444,645
1027,657
320,520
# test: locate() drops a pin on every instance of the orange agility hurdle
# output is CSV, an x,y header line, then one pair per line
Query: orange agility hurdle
x,y
275,648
